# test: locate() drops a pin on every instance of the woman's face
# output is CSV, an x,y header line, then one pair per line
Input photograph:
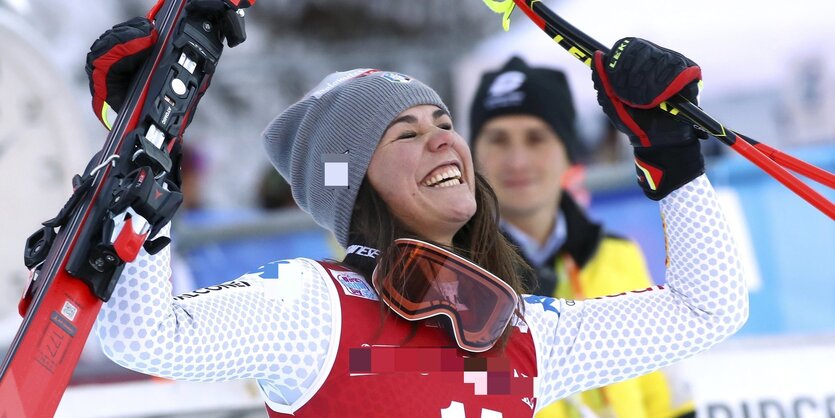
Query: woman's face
x,y
423,170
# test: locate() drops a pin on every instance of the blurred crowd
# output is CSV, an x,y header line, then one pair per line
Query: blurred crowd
x,y
446,44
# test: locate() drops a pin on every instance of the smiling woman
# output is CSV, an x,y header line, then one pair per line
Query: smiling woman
x,y
423,171
426,316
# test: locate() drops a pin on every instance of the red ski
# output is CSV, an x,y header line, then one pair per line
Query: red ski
x,y
126,194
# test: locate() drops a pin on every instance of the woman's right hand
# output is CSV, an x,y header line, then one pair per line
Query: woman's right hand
x,y
117,54
113,61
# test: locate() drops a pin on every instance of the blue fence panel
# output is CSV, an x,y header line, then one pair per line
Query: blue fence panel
x,y
793,243
220,262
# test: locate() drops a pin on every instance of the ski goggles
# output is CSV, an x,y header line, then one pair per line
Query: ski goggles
x,y
427,281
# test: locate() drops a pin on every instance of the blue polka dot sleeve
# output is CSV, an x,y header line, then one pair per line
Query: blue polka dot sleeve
x,y
587,344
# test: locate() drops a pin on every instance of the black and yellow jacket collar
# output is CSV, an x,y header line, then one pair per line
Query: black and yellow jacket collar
x,y
582,240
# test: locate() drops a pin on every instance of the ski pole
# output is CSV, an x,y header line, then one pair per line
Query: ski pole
x,y
770,160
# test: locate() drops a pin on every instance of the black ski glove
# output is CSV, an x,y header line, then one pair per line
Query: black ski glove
x,y
112,62
631,81
118,54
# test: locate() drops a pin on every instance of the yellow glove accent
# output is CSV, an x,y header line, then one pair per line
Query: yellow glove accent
x,y
504,7
105,110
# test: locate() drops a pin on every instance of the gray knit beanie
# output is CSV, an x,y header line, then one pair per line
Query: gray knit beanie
x,y
341,119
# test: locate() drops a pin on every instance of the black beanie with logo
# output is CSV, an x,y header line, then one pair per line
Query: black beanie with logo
x,y
517,89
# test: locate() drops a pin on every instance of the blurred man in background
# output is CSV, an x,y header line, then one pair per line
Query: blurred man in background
x,y
525,142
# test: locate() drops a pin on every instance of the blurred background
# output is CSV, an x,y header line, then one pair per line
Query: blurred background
x,y
769,72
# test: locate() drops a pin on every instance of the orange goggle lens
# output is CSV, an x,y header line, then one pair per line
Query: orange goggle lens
x,y
426,281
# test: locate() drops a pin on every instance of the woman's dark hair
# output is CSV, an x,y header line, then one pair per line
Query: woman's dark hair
x,y
479,240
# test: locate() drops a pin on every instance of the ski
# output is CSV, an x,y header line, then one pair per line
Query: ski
x,y
118,205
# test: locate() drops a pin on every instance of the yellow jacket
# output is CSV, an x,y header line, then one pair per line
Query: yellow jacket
x,y
591,264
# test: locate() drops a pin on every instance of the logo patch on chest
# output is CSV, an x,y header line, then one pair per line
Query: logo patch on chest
x,y
354,284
